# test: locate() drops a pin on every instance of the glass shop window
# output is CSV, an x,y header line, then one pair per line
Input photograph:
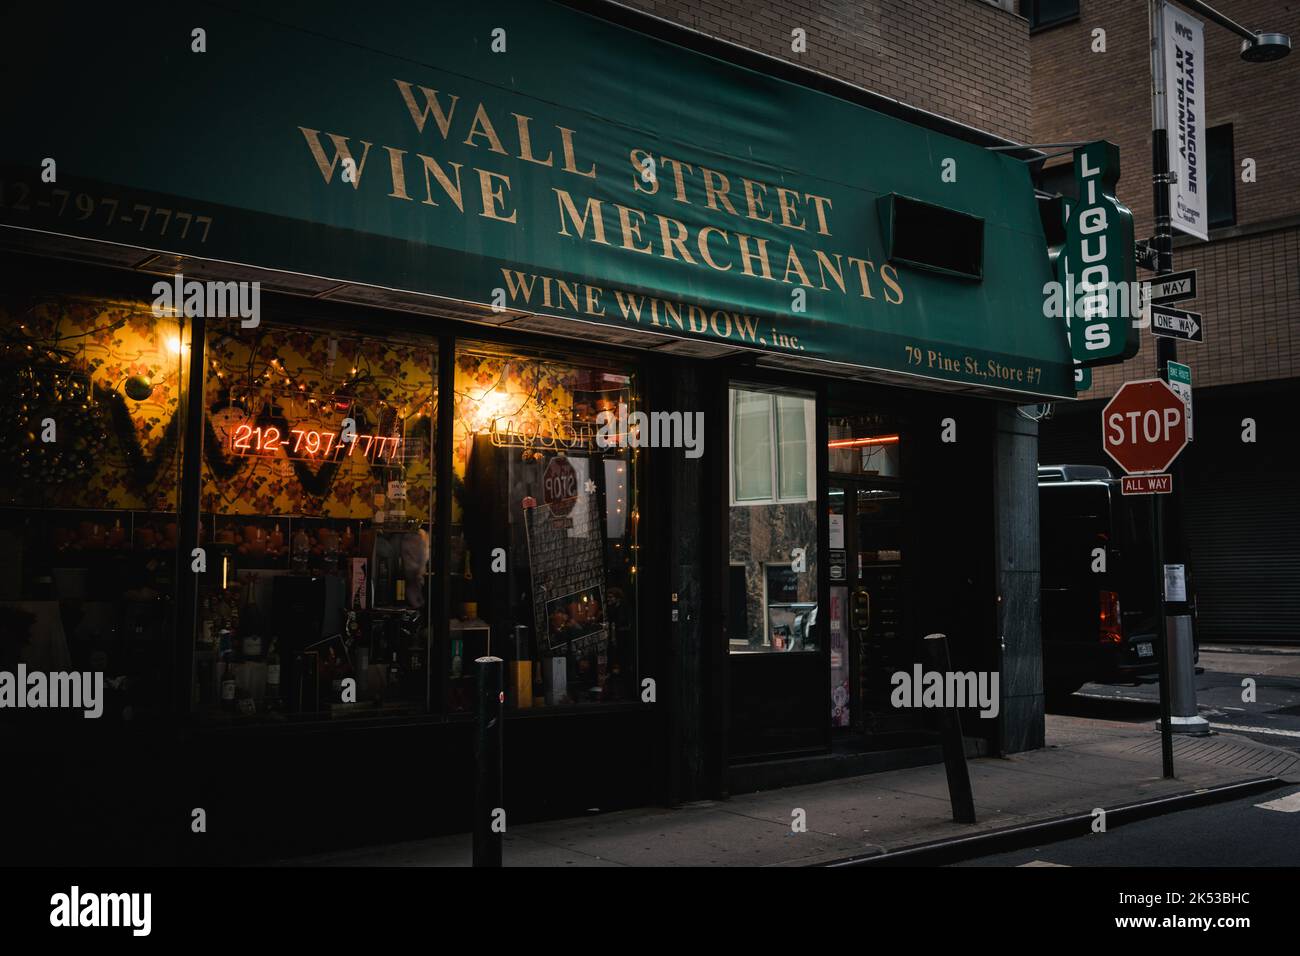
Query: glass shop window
x,y
88,530
772,456
866,446
1222,176
773,522
545,515
1046,13
317,517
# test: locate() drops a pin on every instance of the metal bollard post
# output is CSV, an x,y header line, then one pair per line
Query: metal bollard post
x,y
1184,718
488,793
954,749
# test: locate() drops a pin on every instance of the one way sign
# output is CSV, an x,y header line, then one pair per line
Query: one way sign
x,y
1174,287
1177,323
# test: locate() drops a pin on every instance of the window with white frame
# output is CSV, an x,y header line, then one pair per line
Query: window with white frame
x,y
773,456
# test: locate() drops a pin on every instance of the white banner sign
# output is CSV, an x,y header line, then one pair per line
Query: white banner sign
x,y
1185,120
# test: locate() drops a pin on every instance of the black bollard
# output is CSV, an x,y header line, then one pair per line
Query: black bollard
x,y
488,793
954,750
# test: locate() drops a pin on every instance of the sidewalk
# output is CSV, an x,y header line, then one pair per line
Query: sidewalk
x,y
1088,764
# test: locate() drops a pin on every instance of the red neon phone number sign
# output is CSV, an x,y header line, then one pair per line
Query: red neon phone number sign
x,y
311,444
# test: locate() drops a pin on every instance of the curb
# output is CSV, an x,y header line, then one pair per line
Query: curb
x,y
1278,649
952,850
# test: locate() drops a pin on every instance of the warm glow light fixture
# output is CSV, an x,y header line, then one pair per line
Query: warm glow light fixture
x,y
860,442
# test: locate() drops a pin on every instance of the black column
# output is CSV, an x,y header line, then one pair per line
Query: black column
x,y
1019,582
187,519
687,611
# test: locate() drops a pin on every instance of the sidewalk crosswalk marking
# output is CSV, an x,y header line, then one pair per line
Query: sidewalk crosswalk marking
x,y
1287,804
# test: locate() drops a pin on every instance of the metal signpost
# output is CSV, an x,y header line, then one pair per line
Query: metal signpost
x,y
1144,428
1256,47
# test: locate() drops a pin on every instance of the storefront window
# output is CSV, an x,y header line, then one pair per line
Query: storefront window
x,y
771,447
793,447
773,578
864,445
318,500
88,493
544,539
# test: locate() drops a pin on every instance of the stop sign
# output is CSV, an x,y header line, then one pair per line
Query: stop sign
x,y
560,486
1144,426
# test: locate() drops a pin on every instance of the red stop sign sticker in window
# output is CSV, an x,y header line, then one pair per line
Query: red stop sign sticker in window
x,y
560,486
1144,427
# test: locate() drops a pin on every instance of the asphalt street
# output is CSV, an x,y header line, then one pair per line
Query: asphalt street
x,y
1273,717
1239,833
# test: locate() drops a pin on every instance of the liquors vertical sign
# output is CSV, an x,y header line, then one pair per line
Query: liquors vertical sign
x,y
1184,42
1096,270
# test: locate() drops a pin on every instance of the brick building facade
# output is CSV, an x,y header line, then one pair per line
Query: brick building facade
x,y
967,60
1241,515
1249,273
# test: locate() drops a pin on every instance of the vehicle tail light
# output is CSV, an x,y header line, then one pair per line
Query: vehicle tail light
x,y
1112,630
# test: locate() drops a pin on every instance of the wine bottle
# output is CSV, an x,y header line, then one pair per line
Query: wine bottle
x,y
394,673
228,688
273,671
382,582
250,621
207,632
400,583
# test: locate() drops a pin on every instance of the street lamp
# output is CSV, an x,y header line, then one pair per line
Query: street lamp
x,y
1256,47
1265,47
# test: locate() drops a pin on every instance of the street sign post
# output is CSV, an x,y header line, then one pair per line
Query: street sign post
x,y
1174,287
1147,484
1146,255
1179,377
1177,323
1144,427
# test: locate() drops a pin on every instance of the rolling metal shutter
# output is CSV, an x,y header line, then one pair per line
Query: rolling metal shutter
x,y
1243,541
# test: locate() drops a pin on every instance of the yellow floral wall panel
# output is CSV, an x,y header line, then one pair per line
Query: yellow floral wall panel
x,y
102,379
279,402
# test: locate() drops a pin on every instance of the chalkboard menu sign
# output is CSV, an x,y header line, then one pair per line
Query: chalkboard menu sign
x,y
782,584
567,560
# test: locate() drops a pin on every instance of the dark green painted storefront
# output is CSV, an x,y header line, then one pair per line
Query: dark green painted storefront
x,y
767,261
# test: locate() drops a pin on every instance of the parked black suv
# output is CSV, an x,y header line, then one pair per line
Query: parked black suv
x,y
1098,625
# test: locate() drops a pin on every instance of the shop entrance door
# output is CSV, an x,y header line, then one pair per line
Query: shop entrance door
x,y
867,636
866,551
776,640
